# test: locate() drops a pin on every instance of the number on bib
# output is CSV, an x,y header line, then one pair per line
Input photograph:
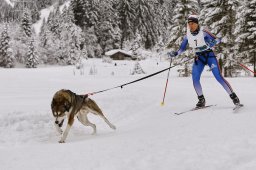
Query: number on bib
x,y
195,42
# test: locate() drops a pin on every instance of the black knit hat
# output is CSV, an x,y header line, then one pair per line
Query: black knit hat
x,y
193,18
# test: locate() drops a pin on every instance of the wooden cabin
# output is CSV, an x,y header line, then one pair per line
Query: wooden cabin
x,y
118,54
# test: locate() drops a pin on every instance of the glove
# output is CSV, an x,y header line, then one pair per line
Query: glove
x,y
172,54
211,43
214,42
218,40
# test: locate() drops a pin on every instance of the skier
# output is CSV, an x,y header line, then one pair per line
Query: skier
x,y
202,41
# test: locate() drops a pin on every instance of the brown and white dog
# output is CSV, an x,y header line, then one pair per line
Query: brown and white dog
x,y
65,103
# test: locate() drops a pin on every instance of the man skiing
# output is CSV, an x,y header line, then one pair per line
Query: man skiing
x,y
202,42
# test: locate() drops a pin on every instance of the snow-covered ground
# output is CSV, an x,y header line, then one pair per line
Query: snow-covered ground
x,y
148,136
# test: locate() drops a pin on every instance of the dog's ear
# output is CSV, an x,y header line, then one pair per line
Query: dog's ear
x,y
53,107
67,95
53,103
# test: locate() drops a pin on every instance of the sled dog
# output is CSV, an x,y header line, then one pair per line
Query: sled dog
x,y
67,104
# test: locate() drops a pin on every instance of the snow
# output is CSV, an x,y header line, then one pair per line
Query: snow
x,y
44,14
66,4
10,3
148,136
111,52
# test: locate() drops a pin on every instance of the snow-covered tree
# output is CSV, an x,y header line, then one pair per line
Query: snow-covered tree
x,y
26,23
79,14
32,58
71,40
137,69
43,3
137,43
144,22
108,36
93,70
74,55
49,45
116,37
6,53
245,32
67,15
162,18
91,42
86,13
181,11
126,12
220,17
54,22
107,29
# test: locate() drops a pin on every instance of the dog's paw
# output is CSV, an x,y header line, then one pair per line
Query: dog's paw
x,y
93,133
61,141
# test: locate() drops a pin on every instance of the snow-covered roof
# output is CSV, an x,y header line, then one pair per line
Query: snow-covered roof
x,y
112,52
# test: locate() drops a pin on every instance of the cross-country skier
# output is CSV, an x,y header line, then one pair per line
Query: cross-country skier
x,y
202,41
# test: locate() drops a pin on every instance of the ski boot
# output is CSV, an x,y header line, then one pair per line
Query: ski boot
x,y
201,102
235,99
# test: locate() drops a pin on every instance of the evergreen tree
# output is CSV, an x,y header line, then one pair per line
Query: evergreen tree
x,y
246,32
107,31
137,69
91,42
220,17
74,55
26,23
162,19
126,12
86,13
137,43
92,12
67,15
71,41
54,22
116,37
181,11
79,14
32,58
6,56
43,3
49,45
144,22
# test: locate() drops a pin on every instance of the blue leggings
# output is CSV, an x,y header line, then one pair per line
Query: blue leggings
x,y
198,68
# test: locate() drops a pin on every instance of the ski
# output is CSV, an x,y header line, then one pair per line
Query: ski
x,y
194,109
237,107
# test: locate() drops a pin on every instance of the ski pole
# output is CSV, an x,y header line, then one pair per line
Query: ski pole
x,y
162,103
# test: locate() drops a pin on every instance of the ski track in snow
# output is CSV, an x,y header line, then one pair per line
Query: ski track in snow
x,y
148,136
